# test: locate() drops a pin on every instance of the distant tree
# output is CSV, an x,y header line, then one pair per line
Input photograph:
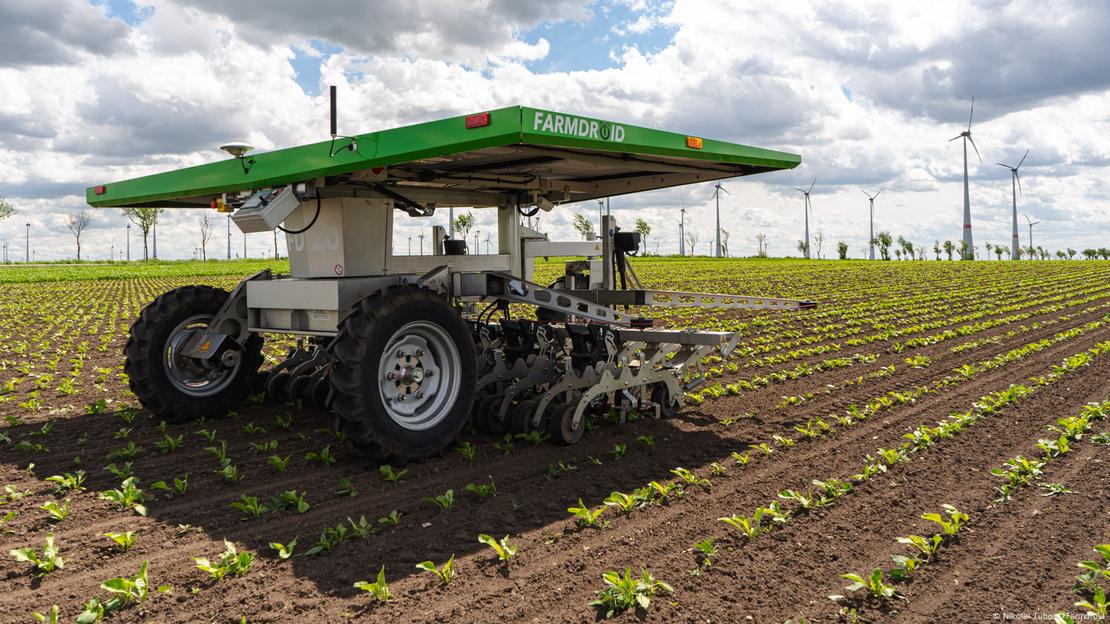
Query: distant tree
x,y
898,253
998,249
462,226
905,248
144,219
1090,253
802,247
6,209
818,239
1061,255
936,249
949,248
1071,253
885,241
724,242
761,241
1104,253
1007,251
691,239
205,236
842,250
644,229
77,224
584,226
921,254
966,252
989,249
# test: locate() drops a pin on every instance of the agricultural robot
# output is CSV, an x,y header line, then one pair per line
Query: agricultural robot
x,y
407,350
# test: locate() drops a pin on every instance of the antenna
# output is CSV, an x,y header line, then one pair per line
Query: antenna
x,y
334,120
332,150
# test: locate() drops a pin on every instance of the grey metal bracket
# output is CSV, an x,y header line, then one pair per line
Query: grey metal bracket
x,y
229,323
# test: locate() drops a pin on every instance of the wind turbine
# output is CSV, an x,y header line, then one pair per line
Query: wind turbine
x,y
966,136
717,196
806,193
1031,224
871,238
1015,186
682,230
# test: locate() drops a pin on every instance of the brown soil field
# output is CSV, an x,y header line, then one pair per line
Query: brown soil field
x,y
1016,557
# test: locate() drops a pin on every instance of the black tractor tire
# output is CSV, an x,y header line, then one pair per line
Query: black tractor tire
x,y
363,399
149,371
559,424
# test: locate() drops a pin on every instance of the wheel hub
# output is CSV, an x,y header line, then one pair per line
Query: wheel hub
x,y
191,376
419,375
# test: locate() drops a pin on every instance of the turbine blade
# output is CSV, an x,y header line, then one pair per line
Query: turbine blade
x,y
880,191
1004,165
811,185
972,113
798,189
1017,178
976,148
1023,159
865,192
954,138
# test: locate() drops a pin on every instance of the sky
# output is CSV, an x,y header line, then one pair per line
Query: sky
x,y
869,94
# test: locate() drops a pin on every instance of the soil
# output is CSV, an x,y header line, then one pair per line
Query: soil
x,y
1017,557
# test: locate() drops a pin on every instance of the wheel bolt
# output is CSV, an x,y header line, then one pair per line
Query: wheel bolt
x,y
420,395
419,353
429,373
400,353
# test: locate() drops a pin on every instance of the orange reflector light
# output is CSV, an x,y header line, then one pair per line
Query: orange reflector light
x,y
477,121
693,142
100,190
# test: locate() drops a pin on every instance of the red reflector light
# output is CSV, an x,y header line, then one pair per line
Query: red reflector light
x,y
477,121
694,142
100,190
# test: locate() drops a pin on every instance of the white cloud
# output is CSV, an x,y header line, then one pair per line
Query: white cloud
x,y
164,93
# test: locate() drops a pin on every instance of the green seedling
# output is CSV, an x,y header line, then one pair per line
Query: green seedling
x,y
169,444
443,501
741,458
284,551
289,500
278,463
207,435
444,574
393,519
52,617
378,589
1052,489
928,546
44,563
535,437
621,501
250,506
506,444
705,551
648,441
324,457
127,590
951,526
559,469
58,512
467,450
8,517
124,541
253,428
231,562
361,528
625,592
748,527
482,490
805,499
127,496
618,451
1097,605
329,539
690,478
873,583
585,517
904,567
68,482
121,472
346,488
131,451
264,447
178,488
504,551
391,475
663,492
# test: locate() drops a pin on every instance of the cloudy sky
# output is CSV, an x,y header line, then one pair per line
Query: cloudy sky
x,y
869,94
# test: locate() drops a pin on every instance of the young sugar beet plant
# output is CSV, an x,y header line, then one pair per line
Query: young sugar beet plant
x,y
231,562
505,551
445,574
623,592
44,563
378,589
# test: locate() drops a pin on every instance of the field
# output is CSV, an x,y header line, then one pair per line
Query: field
x,y
813,453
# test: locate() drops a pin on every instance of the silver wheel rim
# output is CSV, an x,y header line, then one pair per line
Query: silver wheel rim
x,y
189,375
419,375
